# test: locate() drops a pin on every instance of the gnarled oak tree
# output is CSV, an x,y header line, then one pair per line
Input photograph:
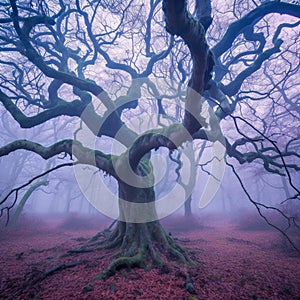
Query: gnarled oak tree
x,y
67,59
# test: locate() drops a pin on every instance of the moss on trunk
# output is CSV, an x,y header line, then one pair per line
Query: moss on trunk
x,y
139,244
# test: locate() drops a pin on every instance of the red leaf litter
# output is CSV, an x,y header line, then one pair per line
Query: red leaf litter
x,y
232,264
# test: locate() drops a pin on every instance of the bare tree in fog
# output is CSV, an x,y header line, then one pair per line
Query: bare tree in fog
x,y
235,66
16,170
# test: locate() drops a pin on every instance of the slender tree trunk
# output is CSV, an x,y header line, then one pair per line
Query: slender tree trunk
x,y
24,199
188,207
68,201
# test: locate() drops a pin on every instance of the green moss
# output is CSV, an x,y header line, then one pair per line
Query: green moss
x,y
146,166
190,298
104,275
122,262
128,262
166,131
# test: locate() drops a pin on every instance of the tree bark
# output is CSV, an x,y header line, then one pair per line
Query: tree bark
x,y
188,207
141,243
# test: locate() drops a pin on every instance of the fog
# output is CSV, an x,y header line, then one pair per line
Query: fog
x,y
59,196
149,149
62,195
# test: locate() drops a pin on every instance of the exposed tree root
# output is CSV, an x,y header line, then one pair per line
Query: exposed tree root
x,y
60,267
120,263
105,233
37,276
143,246
80,250
140,246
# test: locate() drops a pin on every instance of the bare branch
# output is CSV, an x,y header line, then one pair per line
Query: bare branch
x,y
253,17
17,189
290,220
72,148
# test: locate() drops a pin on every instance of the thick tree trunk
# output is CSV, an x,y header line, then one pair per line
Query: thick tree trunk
x,y
138,235
141,244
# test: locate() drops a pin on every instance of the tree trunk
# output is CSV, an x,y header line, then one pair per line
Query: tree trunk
x,y
141,244
137,235
188,207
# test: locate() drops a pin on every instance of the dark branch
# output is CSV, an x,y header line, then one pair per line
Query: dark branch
x,y
73,148
253,17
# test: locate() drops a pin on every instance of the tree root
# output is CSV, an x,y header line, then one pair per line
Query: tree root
x,y
120,263
104,233
59,268
80,250
140,246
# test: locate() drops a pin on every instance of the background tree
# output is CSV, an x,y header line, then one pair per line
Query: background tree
x,y
96,60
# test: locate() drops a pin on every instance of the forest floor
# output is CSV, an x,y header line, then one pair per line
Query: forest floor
x,y
236,264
